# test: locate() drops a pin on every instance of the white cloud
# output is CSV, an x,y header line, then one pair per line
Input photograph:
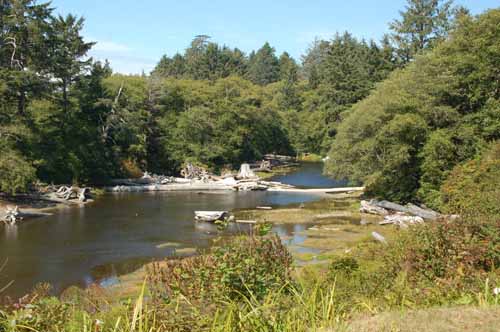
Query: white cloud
x,y
123,58
112,47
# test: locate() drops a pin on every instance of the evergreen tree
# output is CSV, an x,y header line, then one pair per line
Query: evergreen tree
x,y
422,25
67,52
264,67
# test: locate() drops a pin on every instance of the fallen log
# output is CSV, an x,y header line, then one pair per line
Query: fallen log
x,y
72,192
402,220
264,208
370,208
211,216
319,190
390,206
422,213
246,221
250,186
379,238
410,209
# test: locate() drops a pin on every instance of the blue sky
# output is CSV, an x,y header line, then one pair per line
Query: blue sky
x,y
134,34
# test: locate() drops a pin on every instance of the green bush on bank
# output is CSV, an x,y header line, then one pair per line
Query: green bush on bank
x,y
473,188
247,266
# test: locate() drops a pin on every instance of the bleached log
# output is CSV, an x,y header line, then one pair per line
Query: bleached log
x,y
250,186
246,172
410,209
421,212
369,207
246,221
379,237
320,190
211,216
13,215
82,194
402,220
390,206
264,208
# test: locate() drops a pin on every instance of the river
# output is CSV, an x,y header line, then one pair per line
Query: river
x,y
117,232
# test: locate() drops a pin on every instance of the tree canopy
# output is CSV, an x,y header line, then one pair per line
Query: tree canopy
x,y
398,114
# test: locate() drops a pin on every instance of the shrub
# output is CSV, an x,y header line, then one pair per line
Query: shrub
x,y
345,265
15,172
473,188
243,267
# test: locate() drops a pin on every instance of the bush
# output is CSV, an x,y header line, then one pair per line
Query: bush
x,y
15,172
246,267
473,188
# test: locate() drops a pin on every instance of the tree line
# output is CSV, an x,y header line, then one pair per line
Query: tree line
x,y
65,117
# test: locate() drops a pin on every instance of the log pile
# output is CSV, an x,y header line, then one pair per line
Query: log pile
x,y
68,193
191,172
397,214
146,179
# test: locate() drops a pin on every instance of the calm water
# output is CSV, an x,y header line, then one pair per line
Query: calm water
x,y
310,175
119,231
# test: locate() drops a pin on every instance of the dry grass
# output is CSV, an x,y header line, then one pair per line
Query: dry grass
x,y
458,319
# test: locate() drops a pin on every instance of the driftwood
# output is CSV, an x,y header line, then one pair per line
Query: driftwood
x,y
409,209
402,220
246,172
422,212
250,186
379,237
246,221
68,193
390,206
211,216
369,207
265,165
13,215
146,179
281,158
194,172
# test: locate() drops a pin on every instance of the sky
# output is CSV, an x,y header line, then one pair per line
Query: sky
x,y
134,34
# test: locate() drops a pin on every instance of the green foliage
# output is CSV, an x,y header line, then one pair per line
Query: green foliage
x,y
263,66
423,24
472,188
346,265
425,119
15,172
243,267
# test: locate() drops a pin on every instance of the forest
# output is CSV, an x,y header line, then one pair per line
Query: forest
x,y
397,114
